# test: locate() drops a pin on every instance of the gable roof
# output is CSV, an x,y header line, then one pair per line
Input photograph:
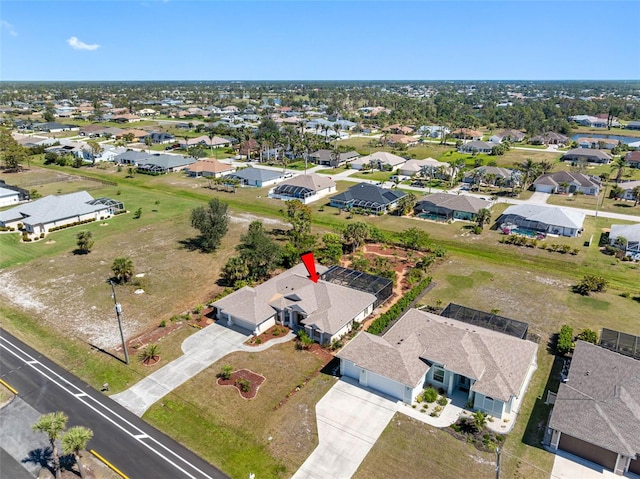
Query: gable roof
x,y
466,203
600,401
417,165
210,165
369,193
326,306
168,161
550,215
382,157
499,363
587,153
52,208
327,155
256,174
311,181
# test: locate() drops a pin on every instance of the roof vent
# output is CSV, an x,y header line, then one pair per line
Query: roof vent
x,y
586,373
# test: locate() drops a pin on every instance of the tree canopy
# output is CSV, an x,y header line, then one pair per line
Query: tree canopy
x,y
12,153
213,223
260,253
122,269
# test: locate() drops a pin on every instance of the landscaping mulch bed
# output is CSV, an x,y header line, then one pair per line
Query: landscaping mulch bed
x,y
255,381
484,440
274,332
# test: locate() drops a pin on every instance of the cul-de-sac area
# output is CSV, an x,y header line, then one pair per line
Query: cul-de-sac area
x,y
323,281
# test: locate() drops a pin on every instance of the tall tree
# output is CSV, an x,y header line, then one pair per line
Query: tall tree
x,y
299,215
53,425
636,195
355,234
235,270
73,441
85,241
12,152
213,223
259,251
95,148
619,165
122,269
483,217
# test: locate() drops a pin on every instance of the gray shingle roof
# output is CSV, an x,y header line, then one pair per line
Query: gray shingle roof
x,y
327,306
370,193
559,177
587,153
52,208
466,203
498,363
168,161
630,232
600,402
311,181
256,174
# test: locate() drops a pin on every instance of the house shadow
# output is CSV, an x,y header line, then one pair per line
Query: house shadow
x,y
534,432
332,368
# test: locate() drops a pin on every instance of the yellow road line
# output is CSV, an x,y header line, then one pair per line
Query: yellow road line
x,y
109,465
8,387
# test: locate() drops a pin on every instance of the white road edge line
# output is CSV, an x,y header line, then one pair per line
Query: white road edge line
x,y
32,363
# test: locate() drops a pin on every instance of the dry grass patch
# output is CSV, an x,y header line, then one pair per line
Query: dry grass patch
x,y
410,448
233,433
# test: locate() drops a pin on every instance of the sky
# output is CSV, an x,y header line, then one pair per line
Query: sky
x,y
318,40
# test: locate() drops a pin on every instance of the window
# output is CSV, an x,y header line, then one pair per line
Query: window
x,y
438,374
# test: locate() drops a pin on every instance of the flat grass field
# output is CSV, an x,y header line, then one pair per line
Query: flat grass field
x,y
60,303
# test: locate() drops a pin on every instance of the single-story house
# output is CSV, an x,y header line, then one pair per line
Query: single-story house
x,y
368,197
54,127
450,206
9,196
326,311
421,349
109,152
306,188
161,137
427,166
204,140
596,414
587,154
125,118
41,215
328,158
399,140
549,138
92,131
627,189
434,131
633,125
398,129
131,157
158,163
380,160
138,135
598,143
477,146
512,136
466,134
588,120
567,182
258,177
633,159
209,167
545,219
491,175
629,232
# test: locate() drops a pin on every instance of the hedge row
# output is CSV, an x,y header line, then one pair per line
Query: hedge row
x,y
380,324
75,223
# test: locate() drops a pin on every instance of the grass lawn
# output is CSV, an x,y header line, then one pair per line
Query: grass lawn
x,y
373,176
234,433
589,202
333,171
410,448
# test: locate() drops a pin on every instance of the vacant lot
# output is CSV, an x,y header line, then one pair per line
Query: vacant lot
x,y
270,435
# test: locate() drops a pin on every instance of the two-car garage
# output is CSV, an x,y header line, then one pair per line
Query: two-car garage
x,y
588,451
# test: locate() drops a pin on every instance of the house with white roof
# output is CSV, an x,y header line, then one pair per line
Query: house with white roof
x,y
326,311
306,188
259,177
56,211
8,196
421,349
380,160
413,167
542,218
631,233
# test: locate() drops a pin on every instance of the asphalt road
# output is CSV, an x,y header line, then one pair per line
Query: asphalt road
x,y
126,441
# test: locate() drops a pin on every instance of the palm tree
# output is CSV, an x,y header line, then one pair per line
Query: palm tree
x,y
528,167
85,241
619,165
122,269
52,424
150,353
545,166
148,142
483,216
479,420
75,439
636,195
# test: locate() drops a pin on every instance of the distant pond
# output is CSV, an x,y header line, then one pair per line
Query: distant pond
x,y
623,139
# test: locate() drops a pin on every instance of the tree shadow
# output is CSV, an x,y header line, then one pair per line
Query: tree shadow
x,y
623,205
80,252
41,457
192,244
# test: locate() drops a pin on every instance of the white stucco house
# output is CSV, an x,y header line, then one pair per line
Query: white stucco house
x,y
56,211
8,196
326,311
422,349
306,188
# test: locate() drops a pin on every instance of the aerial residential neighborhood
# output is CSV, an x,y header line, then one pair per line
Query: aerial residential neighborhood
x,y
247,255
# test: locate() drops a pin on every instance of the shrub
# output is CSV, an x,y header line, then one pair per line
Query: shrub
x,y
430,395
243,384
137,214
381,323
476,229
442,401
225,372
589,336
565,340
258,340
591,283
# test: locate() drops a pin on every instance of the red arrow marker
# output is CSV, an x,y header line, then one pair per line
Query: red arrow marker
x,y
310,263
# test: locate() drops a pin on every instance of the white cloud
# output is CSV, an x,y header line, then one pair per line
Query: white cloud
x,y
4,25
80,45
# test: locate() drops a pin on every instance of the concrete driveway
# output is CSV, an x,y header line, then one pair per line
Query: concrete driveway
x,y
200,351
350,420
568,466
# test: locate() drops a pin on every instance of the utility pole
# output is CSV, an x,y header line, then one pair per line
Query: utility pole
x,y
118,307
498,463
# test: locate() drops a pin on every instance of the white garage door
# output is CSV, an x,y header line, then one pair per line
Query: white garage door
x,y
385,385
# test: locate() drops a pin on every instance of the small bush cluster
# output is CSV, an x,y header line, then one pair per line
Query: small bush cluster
x,y
565,340
381,323
429,395
75,223
521,240
243,384
591,283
